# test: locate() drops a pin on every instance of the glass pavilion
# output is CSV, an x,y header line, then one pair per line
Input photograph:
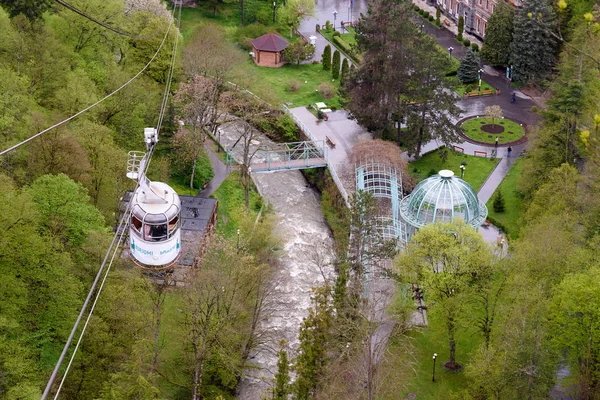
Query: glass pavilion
x,y
442,198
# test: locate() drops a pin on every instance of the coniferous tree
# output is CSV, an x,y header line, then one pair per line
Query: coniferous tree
x,y
498,35
335,65
498,202
469,66
461,28
438,13
344,70
326,58
533,48
281,386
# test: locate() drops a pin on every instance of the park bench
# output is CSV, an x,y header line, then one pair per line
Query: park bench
x,y
447,23
329,141
487,92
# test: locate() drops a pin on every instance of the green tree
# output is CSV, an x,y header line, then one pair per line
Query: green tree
x,y
299,51
32,9
428,106
294,11
450,261
498,35
388,40
533,48
314,337
575,327
498,202
335,65
461,28
282,388
469,67
345,68
326,58
438,14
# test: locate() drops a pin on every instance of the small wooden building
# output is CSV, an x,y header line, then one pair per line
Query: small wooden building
x,y
268,50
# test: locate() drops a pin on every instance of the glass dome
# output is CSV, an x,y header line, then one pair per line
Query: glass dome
x,y
442,198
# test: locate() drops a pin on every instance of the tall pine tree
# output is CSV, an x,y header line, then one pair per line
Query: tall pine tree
x,y
467,71
533,49
344,70
498,35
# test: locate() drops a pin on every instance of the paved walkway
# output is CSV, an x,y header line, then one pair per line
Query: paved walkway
x,y
221,172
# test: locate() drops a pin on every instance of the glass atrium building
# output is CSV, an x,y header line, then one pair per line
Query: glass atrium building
x,y
442,198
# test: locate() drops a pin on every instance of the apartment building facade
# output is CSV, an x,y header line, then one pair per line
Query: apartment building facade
x,y
476,13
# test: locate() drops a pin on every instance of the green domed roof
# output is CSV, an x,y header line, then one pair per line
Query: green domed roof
x,y
442,198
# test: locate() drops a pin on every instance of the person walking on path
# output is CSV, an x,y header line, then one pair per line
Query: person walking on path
x,y
496,144
508,151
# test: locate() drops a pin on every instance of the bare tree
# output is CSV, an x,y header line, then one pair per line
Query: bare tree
x,y
196,101
493,112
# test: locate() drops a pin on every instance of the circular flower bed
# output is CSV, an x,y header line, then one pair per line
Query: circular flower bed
x,y
485,130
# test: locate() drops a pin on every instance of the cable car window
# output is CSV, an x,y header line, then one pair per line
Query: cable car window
x,y
155,233
136,223
173,225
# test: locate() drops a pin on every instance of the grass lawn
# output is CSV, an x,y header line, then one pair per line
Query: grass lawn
x,y
273,83
232,204
414,365
513,204
512,130
476,172
431,340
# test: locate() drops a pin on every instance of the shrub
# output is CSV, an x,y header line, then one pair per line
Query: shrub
x,y
498,203
474,46
293,85
430,17
416,8
328,25
326,90
287,128
245,34
336,33
326,57
466,42
345,68
461,28
335,65
204,171
342,43
426,14
438,14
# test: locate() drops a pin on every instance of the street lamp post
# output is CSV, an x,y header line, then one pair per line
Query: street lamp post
x,y
422,27
462,171
274,11
433,375
450,50
335,13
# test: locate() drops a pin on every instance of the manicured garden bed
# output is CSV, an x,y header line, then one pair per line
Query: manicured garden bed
x,y
476,172
483,130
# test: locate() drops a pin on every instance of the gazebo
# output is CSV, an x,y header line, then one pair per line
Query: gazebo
x,y
267,50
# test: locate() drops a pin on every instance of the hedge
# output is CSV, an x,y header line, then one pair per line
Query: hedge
x,y
342,43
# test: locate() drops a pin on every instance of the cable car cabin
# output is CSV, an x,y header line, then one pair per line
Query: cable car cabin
x,y
154,229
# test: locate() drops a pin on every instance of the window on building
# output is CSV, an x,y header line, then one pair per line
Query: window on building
x,y
477,25
487,4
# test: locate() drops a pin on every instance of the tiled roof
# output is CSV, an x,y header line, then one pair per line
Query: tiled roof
x,y
270,42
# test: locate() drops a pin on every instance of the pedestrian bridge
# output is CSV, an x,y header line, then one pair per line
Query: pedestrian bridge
x,y
288,156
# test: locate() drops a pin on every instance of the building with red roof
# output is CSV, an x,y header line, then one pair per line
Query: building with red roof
x,y
267,50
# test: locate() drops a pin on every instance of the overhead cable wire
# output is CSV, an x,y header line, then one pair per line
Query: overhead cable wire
x,y
112,244
125,217
116,30
93,105
170,78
